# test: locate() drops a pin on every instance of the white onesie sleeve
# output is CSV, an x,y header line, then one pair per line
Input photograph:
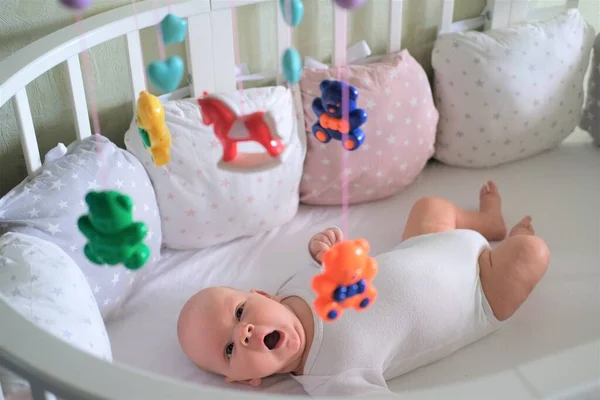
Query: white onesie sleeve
x,y
354,382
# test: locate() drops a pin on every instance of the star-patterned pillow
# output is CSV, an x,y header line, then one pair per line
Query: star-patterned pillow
x,y
41,282
590,120
399,132
49,205
511,93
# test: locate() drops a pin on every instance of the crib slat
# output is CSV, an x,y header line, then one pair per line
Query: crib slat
x,y
199,43
80,111
283,39
395,33
572,4
500,10
27,132
518,11
447,16
340,35
223,50
37,392
136,65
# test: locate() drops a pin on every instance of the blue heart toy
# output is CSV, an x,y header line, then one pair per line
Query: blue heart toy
x,y
166,75
173,29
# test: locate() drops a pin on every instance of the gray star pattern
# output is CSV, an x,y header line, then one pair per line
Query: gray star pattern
x,y
506,113
54,202
67,309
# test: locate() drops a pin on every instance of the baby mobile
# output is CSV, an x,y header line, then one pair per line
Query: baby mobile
x,y
114,238
348,270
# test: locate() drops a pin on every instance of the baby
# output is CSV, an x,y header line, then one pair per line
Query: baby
x,y
440,289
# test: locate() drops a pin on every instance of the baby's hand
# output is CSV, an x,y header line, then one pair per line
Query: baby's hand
x,y
322,241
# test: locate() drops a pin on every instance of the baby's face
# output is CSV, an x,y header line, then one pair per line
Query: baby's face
x,y
244,336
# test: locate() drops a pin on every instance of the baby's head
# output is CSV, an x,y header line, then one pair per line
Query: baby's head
x,y
244,336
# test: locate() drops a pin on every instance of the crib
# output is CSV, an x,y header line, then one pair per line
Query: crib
x,y
54,367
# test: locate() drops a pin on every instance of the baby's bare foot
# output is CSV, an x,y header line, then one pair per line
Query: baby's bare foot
x,y
490,203
322,241
523,227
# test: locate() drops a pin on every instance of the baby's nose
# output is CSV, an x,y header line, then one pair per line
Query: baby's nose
x,y
246,334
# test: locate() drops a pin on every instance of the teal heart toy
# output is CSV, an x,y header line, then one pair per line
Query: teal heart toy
x,y
292,65
173,29
166,75
293,11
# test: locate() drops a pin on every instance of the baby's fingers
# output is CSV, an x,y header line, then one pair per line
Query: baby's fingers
x,y
333,235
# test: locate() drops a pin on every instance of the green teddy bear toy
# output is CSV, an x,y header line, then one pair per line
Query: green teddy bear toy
x,y
113,236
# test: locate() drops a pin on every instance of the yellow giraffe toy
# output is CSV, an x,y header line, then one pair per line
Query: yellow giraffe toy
x,y
151,126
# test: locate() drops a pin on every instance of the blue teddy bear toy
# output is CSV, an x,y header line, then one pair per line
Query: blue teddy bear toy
x,y
331,124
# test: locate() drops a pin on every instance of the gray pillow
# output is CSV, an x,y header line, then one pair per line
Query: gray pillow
x,y
590,121
49,205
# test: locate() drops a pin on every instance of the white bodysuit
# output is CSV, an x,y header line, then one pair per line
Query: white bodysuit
x,y
429,304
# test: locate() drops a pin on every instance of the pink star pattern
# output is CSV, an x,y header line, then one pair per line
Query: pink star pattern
x,y
400,133
202,205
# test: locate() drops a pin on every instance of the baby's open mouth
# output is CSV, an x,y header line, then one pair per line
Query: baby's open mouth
x,y
272,339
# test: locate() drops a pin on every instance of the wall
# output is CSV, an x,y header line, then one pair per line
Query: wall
x,y
24,21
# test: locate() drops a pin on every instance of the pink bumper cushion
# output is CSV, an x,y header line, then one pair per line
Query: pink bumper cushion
x,y
399,132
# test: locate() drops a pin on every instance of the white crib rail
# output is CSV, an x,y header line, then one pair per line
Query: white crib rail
x,y
71,374
27,64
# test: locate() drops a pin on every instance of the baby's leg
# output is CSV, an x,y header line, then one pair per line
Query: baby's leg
x,y
433,214
510,272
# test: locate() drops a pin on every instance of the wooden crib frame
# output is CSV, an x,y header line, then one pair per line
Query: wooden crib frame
x,y
52,365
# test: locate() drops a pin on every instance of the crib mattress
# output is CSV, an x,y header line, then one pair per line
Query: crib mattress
x,y
550,345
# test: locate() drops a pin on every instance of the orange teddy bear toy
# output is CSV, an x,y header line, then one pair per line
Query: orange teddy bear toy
x,y
346,281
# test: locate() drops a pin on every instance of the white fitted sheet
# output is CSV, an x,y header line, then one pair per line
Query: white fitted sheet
x,y
548,346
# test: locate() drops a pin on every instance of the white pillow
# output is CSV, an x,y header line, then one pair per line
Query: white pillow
x,y
49,205
45,285
202,205
510,93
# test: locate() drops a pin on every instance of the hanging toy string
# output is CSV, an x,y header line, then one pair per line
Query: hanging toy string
x,y
88,78
345,89
345,171
159,35
237,57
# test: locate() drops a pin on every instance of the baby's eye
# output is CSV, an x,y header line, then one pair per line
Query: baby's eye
x,y
239,311
229,350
